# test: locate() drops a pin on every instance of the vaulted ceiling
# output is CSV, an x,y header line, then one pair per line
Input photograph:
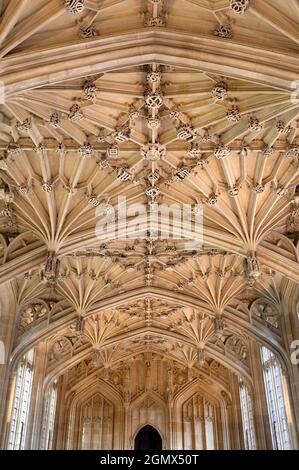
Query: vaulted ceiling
x,y
186,101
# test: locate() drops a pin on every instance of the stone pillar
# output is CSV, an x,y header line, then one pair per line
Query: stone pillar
x,y
259,400
35,416
7,331
236,413
9,404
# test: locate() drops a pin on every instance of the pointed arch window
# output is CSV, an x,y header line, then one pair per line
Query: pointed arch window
x,y
247,417
21,403
273,379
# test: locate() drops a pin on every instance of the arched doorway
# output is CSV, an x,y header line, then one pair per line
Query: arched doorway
x,y
148,438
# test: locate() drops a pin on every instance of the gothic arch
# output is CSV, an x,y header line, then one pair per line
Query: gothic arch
x,y
86,392
145,401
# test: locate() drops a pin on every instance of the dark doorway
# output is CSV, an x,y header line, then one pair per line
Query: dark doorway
x,y
148,438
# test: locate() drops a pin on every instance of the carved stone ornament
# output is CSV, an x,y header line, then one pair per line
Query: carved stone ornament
x,y
185,133
93,200
239,6
293,151
122,135
113,151
86,150
221,151
50,271
88,32
74,6
154,77
75,114
233,115
124,174
154,21
223,31
252,268
194,150
24,126
254,124
90,90
269,313
153,152
220,91
154,100
55,120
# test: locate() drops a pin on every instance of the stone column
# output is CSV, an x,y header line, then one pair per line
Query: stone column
x,y
35,416
259,400
236,413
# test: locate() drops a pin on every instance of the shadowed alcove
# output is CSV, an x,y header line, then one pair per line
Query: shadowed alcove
x,y
148,438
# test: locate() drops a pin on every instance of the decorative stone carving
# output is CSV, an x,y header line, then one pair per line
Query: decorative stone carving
x,y
24,189
182,173
75,114
124,174
74,6
254,124
268,151
153,123
50,271
194,150
88,32
252,268
154,100
258,188
93,200
78,328
239,6
185,133
152,192
6,195
153,152
293,151
104,164
223,31
221,151
25,126
122,135
31,313
201,357
13,149
280,126
269,313
90,90
154,77
220,91
86,150
234,191
153,177
154,21
237,347
212,199
233,115
55,120
134,114
47,187
219,325
113,151
281,191
3,163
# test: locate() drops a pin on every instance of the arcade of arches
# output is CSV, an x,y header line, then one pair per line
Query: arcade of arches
x,y
111,340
